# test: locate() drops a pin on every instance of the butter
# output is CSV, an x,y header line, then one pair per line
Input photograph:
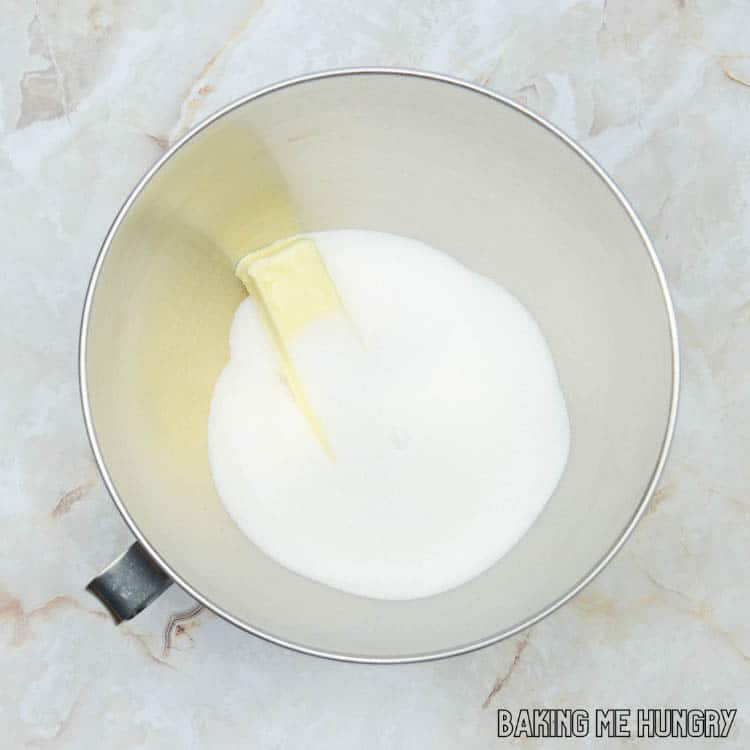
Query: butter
x,y
293,289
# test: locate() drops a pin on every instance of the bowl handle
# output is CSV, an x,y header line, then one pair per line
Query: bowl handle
x,y
130,583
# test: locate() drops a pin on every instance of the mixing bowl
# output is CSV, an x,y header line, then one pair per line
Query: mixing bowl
x,y
415,154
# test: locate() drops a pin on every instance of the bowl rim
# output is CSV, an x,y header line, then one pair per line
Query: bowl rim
x,y
330,654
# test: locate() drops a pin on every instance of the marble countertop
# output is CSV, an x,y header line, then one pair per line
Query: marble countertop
x,y
91,93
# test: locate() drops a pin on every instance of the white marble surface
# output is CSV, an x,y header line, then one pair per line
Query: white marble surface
x,y
90,93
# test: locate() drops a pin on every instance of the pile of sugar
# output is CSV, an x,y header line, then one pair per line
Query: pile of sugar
x,y
441,404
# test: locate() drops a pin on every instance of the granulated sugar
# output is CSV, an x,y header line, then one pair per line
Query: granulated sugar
x,y
440,402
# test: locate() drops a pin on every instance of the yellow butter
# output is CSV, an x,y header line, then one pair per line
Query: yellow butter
x,y
293,289
291,281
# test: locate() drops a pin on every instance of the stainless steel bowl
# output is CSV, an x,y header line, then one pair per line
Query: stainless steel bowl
x,y
398,151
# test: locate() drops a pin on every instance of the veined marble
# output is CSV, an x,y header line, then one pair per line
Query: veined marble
x,y
91,92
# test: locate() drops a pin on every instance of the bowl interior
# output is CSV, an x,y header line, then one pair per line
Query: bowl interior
x,y
398,153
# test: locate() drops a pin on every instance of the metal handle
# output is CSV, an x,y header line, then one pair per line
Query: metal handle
x,y
129,584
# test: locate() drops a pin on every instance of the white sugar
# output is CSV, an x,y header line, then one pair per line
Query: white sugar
x,y
443,410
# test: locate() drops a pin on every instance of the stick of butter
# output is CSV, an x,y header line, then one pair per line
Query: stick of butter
x,y
292,288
